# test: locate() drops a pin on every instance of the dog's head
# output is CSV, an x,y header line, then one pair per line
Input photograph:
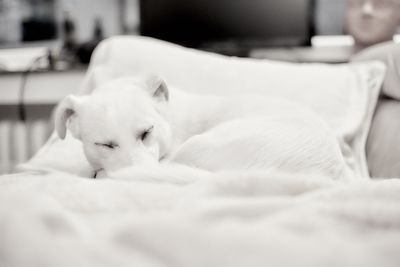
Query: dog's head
x,y
122,123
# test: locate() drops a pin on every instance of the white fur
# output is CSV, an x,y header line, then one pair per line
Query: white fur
x,y
203,131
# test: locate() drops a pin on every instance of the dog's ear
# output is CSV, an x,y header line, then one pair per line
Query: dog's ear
x,y
158,88
67,109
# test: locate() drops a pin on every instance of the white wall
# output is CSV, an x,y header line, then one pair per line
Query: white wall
x,y
84,13
330,16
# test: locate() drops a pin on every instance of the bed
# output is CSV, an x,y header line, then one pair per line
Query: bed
x,y
53,213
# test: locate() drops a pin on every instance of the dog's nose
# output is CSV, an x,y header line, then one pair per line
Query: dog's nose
x,y
100,173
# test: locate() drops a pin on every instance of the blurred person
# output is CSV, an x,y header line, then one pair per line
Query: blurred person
x,y
372,21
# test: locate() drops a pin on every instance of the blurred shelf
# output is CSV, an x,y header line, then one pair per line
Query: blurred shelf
x,y
332,55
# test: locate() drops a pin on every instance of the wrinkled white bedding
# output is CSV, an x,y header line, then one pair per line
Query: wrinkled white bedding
x,y
55,219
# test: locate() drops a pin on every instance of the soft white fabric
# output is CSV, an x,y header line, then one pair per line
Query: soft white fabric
x,y
389,54
344,95
273,220
62,155
383,144
269,219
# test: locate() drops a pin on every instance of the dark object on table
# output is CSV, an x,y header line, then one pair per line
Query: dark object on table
x,y
38,30
85,50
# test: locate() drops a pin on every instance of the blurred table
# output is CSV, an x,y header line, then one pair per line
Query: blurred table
x,y
43,90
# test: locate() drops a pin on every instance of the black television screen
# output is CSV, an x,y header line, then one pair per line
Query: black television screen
x,y
226,23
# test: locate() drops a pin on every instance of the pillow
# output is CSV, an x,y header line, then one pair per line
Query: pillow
x,y
383,146
61,155
344,95
389,54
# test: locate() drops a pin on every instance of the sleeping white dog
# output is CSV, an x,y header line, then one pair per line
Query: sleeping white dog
x,y
140,121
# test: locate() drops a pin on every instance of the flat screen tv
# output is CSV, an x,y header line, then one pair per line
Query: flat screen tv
x,y
228,25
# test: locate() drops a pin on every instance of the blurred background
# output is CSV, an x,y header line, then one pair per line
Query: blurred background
x,y
233,27
45,45
198,23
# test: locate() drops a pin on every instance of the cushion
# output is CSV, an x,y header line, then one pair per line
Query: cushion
x,y
389,54
344,95
383,146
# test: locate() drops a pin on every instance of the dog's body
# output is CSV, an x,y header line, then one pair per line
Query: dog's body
x,y
131,121
248,132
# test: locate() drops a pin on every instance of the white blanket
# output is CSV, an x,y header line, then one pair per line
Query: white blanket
x,y
55,219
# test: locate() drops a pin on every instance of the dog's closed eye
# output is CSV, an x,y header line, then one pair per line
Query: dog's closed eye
x,y
144,134
110,145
